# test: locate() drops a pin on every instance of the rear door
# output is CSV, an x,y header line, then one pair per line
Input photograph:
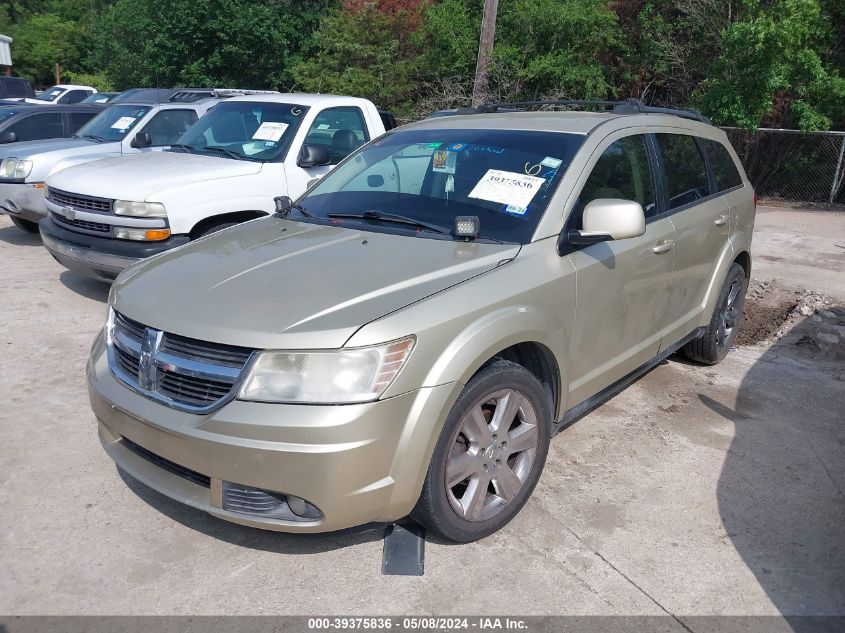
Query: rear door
x,y
702,224
623,286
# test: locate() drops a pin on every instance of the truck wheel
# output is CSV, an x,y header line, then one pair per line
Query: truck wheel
x,y
489,455
25,225
714,345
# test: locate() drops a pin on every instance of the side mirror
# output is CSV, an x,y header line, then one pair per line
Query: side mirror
x,y
142,139
314,155
609,219
8,137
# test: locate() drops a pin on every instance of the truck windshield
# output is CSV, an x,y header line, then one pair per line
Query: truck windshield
x,y
504,177
51,94
112,124
8,113
244,130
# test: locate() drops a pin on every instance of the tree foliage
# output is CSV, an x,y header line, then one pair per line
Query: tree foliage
x,y
745,63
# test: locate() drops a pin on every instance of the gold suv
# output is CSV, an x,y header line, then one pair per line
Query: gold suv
x,y
410,334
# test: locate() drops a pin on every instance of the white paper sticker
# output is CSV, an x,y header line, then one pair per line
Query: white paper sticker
x,y
507,187
550,161
123,122
323,126
270,131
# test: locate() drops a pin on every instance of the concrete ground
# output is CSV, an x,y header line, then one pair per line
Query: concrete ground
x,y
699,490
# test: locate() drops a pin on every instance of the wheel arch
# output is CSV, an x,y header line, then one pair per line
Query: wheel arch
x,y
223,218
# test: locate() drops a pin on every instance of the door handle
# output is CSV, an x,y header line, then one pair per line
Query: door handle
x,y
663,247
721,220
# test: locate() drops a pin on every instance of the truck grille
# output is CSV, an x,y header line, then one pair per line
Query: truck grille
x,y
94,227
181,372
79,201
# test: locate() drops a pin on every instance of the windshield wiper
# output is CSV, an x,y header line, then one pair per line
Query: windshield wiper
x,y
99,139
391,217
228,152
181,146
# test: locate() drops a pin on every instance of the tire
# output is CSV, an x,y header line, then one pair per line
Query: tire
x,y
25,225
449,511
714,345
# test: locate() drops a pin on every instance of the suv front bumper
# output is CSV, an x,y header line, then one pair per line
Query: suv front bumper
x,y
357,464
102,258
23,200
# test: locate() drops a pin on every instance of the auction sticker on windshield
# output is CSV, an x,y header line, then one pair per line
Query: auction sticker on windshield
x,y
270,131
507,187
123,122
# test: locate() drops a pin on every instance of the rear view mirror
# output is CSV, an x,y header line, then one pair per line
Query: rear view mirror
x,y
609,219
8,137
314,155
375,181
142,139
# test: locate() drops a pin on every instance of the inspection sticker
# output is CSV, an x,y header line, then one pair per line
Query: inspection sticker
x,y
123,122
270,131
550,161
507,187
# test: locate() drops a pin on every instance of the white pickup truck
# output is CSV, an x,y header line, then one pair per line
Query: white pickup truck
x,y
226,169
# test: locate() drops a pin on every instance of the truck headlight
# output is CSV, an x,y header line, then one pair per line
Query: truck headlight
x,y
23,168
139,209
342,376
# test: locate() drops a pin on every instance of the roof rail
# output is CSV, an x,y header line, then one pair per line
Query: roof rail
x,y
628,106
189,95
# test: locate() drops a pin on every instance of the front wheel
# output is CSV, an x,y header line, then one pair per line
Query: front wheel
x,y
714,345
25,225
489,456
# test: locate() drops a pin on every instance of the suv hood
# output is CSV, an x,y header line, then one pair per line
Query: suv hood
x,y
138,176
25,149
274,283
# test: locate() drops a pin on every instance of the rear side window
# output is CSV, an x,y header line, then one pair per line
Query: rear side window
x,y
622,172
686,174
722,165
168,125
38,126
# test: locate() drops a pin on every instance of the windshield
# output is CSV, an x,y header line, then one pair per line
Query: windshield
x,y
8,113
245,130
99,97
113,123
51,94
505,177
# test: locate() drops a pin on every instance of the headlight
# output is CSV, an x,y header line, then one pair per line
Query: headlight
x,y
23,168
7,167
332,377
139,209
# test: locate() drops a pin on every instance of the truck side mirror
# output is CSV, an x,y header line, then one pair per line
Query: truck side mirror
x,y
142,139
314,155
8,137
609,219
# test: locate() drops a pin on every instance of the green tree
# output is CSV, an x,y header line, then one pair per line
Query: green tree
x,y
773,70
43,40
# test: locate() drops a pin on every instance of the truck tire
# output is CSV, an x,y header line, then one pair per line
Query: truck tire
x,y
25,225
712,347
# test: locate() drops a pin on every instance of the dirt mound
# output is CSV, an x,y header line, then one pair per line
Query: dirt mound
x,y
809,324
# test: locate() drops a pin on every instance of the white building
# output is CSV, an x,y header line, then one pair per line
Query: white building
x,y
5,50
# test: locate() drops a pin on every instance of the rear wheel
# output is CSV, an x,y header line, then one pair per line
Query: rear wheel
x,y
25,225
489,456
714,345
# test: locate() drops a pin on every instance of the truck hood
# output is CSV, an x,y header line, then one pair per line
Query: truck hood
x,y
274,283
138,176
67,147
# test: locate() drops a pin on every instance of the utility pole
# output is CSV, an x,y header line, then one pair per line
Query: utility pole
x,y
57,73
485,48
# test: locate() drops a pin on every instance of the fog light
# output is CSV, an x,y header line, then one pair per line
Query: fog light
x,y
267,504
297,505
467,226
143,235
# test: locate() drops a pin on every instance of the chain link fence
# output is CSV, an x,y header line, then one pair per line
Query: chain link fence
x,y
791,165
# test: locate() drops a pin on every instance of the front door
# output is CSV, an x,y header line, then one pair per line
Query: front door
x,y
622,285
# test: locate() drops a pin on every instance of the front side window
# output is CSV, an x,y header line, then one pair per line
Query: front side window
x,y
74,96
168,125
113,124
78,119
38,126
244,130
429,177
50,94
342,130
622,172
17,89
722,165
686,174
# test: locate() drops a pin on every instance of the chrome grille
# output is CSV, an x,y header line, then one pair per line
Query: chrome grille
x,y
181,372
95,227
78,201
